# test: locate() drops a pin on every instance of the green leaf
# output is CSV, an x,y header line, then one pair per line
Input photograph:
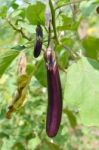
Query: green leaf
x,y
3,11
3,135
18,146
91,45
71,117
18,47
40,73
14,5
82,90
29,28
29,69
62,2
18,12
62,56
68,24
36,13
67,41
6,59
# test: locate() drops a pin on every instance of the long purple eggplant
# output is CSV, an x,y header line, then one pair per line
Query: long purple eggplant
x,y
39,39
54,110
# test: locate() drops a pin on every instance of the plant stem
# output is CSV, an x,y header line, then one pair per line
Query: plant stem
x,y
19,30
53,20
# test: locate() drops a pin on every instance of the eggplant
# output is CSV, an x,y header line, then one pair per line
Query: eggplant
x,y
39,39
37,48
39,31
54,109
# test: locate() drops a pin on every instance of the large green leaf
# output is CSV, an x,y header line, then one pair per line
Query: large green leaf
x,y
82,90
6,59
91,45
36,13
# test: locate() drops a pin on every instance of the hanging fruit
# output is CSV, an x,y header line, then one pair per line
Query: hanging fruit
x,y
39,39
54,110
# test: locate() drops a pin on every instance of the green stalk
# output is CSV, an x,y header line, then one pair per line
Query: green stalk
x,y
53,20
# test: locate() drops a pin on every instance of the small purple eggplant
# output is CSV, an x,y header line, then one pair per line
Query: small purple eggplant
x,y
54,110
39,39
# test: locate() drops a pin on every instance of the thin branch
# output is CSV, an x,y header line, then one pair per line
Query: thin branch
x,y
26,2
24,36
73,54
69,3
18,30
53,20
49,34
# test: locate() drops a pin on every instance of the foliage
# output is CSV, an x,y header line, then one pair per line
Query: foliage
x,y
75,38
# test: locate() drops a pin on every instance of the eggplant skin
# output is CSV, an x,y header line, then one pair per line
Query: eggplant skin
x,y
54,109
37,48
39,39
39,31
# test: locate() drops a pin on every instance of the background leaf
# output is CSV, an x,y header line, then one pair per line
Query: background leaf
x,y
6,59
36,13
91,47
82,90
40,73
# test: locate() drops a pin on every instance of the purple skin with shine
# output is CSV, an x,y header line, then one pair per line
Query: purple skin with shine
x,y
38,44
37,48
54,110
